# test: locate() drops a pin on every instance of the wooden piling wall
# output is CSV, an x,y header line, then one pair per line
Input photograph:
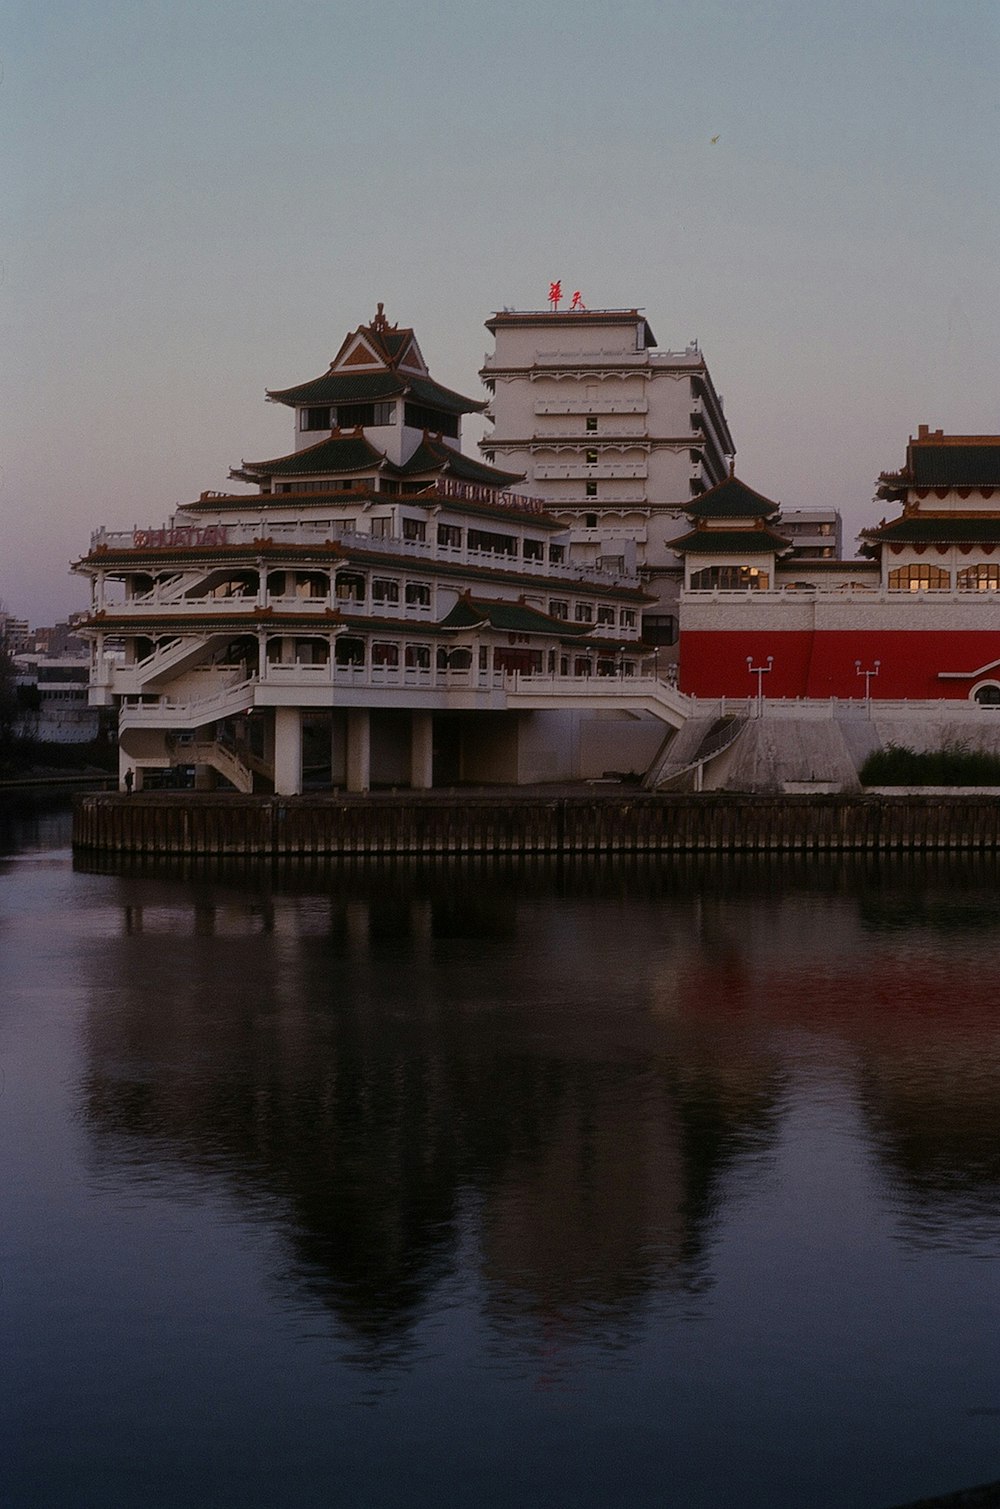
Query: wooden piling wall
x,y
512,823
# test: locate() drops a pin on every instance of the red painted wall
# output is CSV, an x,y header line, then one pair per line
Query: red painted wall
x,y
807,664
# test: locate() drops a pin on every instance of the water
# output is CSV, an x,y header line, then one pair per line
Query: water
x,y
646,1183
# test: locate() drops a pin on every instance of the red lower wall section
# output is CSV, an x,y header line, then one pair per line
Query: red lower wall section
x,y
809,664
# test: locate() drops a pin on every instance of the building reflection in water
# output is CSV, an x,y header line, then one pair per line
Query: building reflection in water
x,y
573,1063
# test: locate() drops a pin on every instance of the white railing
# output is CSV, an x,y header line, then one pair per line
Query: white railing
x,y
302,532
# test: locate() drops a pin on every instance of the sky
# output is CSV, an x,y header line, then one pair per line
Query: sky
x,y
204,196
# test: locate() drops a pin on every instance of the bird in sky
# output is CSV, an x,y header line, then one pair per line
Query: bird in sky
x,y
715,139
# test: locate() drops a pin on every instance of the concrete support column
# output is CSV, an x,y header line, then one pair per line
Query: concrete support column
x,y
287,751
422,752
359,749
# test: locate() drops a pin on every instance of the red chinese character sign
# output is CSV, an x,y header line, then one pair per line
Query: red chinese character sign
x,y
577,301
555,293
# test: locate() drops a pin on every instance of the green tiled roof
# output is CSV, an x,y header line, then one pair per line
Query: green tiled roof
x,y
335,454
516,617
730,542
731,499
430,456
362,387
938,530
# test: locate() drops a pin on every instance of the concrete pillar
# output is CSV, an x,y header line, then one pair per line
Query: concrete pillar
x,y
287,751
359,749
422,752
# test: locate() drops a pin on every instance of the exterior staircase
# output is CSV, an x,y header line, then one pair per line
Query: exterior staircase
x,y
689,751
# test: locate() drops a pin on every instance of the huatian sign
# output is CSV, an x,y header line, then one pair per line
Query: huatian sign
x,y
182,535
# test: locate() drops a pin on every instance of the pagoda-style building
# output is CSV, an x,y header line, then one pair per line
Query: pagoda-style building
x,y
381,610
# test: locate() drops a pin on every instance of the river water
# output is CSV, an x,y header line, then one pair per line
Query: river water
x,y
632,1183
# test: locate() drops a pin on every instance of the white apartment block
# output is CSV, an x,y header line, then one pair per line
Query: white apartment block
x,y
616,436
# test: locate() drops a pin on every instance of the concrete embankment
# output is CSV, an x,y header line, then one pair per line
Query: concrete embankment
x,y
612,820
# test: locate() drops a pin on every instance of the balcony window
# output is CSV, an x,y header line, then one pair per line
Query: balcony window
x,y
417,657
590,489
591,424
981,578
534,550
558,608
417,595
414,529
628,618
349,651
315,419
557,555
583,613
385,654
590,457
590,521
605,614
450,536
382,528
384,590
350,587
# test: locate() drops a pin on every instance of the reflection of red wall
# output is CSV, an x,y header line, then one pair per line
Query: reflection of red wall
x,y
808,664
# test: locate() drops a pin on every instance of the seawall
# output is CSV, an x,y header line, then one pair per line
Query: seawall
x,y
606,821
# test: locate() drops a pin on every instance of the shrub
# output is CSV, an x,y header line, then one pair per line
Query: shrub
x,y
954,765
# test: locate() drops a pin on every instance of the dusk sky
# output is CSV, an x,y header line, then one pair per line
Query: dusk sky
x,y
203,196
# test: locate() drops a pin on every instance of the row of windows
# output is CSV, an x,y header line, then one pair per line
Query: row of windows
x,y
346,416
729,579
925,578
584,613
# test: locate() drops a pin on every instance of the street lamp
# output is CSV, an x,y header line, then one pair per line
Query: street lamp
x,y
760,671
868,676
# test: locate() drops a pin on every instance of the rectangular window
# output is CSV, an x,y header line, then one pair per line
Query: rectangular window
x,y
315,419
558,608
484,657
414,529
615,564
436,421
382,528
385,654
605,615
583,613
557,554
450,536
351,416
418,595
590,489
418,657
590,457
590,521
591,424
628,618
534,550
384,590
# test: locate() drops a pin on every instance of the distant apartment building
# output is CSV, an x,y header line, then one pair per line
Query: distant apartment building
x,y
815,534
616,436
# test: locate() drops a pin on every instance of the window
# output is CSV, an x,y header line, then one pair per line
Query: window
x,y
590,457
581,666
657,628
615,564
590,521
315,419
590,489
419,417
382,528
557,554
450,536
919,579
534,550
605,614
591,424
414,529
583,613
987,695
350,587
558,608
384,590
494,544
349,651
349,416
628,618
385,654
729,579
418,657
417,595
981,578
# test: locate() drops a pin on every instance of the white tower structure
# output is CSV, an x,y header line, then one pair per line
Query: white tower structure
x,y
615,436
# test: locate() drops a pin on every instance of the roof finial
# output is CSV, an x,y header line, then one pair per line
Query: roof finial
x,y
380,322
